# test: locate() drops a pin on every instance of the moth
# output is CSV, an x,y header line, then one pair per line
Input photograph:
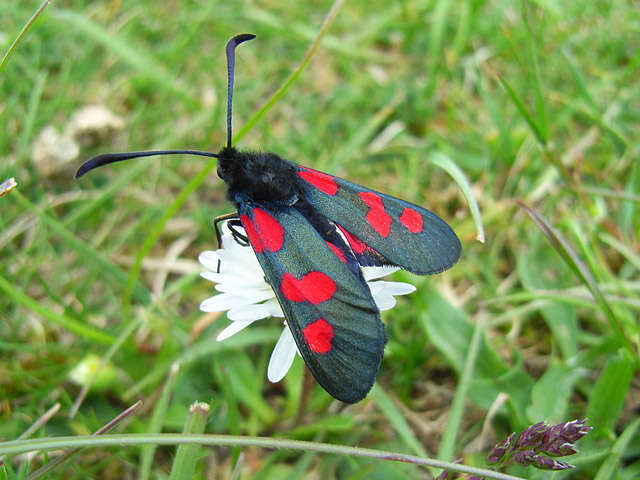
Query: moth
x,y
312,232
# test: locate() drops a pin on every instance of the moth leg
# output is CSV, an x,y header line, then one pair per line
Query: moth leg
x,y
240,239
233,222
218,220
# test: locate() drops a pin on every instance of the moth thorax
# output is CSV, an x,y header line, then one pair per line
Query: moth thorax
x,y
258,176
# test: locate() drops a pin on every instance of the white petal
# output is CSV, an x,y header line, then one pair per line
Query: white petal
x,y
384,301
237,256
397,288
383,292
211,276
234,251
282,356
371,273
209,259
252,293
274,308
248,279
243,313
232,329
222,302
375,287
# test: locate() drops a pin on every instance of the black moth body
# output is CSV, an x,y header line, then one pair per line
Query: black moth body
x,y
312,233
263,177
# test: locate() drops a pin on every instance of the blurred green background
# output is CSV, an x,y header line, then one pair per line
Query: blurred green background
x,y
534,101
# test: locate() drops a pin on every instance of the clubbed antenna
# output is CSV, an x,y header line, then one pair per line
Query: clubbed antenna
x,y
231,49
108,158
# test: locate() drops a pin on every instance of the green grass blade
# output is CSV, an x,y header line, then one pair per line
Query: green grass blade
x,y
628,214
39,423
447,448
491,375
22,32
561,318
123,337
608,396
497,116
48,467
449,166
437,34
24,143
363,134
330,17
551,395
206,348
154,233
90,254
306,32
604,192
582,272
523,111
610,467
119,440
66,322
126,177
397,420
135,56
155,424
617,138
184,465
570,297
578,79
233,412
301,467
543,121
245,383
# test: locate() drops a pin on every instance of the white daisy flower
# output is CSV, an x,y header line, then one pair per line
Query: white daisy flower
x,y
247,297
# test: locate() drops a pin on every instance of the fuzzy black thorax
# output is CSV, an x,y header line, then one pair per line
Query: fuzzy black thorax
x,y
257,176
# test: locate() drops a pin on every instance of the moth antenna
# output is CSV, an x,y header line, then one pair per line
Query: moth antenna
x,y
107,158
231,48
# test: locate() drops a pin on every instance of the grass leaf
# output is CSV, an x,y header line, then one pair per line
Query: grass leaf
x,y
543,122
184,465
611,466
449,166
397,420
539,134
582,272
135,56
608,396
155,425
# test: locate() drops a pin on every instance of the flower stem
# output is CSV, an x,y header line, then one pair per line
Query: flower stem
x,y
119,440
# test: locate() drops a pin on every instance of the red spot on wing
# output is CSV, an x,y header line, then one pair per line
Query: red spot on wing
x,y
323,182
377,217
319,335
412,220
338,252
271,232
356,245
290,288
315,287
252,233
